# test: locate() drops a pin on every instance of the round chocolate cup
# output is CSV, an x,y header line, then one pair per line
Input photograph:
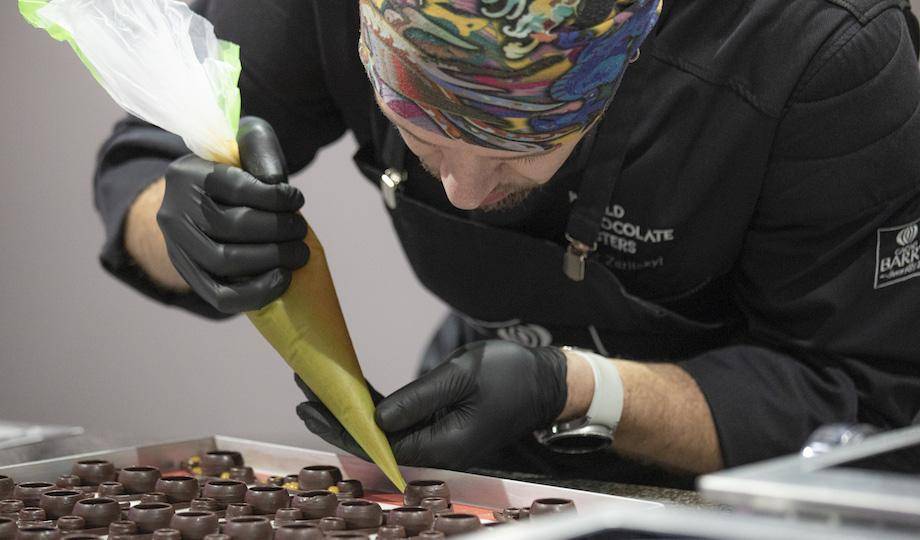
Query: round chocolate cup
x,y
218,536
93,472
38,533
267,499
59,502
274,481
195,525
348,534
205,504
431,535
315,504
8,528
249,528
30,493
97,512
226,491
111,489
71,523
32,513
319,477
332,524
220,461
391,532
243,474
287,515
139,479
435,504
151,516
414,519
350,489
300,531
178,489
68,481
167,534
154,497
551,506
6,486
83,537
120,528
11,506
511,513
417,490
360,514
239,510
454,524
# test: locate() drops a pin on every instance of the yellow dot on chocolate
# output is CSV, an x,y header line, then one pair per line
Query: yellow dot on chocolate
x,y
196,470
225,475
291,485
333,489
194,460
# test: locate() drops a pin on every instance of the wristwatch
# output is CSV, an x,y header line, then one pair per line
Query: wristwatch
x,y
595,430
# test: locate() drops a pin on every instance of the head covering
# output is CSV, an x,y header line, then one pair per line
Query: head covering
x,y
519,75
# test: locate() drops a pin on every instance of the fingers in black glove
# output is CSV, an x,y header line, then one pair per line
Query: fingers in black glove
x,y
235,236
317,418
486,396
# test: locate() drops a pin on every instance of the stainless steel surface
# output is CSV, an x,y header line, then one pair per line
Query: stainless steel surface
x,y
16,434
678,523
278,459
814,487
831,436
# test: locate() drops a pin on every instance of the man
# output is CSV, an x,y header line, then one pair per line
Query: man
x,y
728,233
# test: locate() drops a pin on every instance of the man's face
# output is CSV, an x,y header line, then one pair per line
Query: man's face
x,y
479,178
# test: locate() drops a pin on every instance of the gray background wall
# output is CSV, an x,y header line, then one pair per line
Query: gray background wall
x,y
77,347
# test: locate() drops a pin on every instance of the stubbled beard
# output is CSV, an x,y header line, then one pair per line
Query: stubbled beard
x,y
516,195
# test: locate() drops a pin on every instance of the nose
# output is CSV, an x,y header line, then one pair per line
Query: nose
x,y
468,180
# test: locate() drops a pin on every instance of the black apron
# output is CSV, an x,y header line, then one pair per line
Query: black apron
x,y
504,284
507,285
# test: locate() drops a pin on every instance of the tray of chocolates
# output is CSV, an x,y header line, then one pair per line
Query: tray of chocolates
x,y
225,488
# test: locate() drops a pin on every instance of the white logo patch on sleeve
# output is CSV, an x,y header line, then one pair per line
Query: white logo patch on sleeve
x,y
897,255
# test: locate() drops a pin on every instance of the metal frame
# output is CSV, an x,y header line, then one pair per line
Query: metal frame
x,y
810,487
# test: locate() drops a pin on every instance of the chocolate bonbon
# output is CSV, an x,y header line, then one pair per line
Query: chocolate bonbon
x,y
315,504
454,524
300,531
267,499
414,519
249,528
97,512
551,506
30,493
217,462
178,489
319,477
151,516
93,472
139,479
360,514
59,502
195,525
421,489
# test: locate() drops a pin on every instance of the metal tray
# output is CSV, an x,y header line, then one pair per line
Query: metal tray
x,y
275,459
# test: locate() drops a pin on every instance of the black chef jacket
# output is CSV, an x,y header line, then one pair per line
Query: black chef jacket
x,y
773,175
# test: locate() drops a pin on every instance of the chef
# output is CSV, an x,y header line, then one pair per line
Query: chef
x,y
680,233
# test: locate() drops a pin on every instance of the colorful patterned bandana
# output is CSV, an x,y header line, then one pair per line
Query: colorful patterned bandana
x,y
519,75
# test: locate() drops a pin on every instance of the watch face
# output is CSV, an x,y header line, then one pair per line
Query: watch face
x,y
578,443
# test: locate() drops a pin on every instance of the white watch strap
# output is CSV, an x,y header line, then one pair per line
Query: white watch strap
x,y
607,403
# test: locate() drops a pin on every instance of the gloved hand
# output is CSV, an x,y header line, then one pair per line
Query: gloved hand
x,y
487,395
235,235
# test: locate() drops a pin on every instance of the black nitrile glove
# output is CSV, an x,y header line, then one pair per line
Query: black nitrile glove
x,y
488,395
235,235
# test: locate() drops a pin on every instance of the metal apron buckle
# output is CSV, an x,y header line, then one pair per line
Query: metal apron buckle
x,y
573,264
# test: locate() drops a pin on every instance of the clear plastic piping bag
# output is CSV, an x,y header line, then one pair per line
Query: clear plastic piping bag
x,y
161,62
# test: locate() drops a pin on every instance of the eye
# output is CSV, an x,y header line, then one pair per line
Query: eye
x,y
527,159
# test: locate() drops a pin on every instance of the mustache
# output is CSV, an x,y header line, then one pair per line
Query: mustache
x,y
516,192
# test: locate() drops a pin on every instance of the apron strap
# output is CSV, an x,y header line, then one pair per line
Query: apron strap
x,y
600,178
